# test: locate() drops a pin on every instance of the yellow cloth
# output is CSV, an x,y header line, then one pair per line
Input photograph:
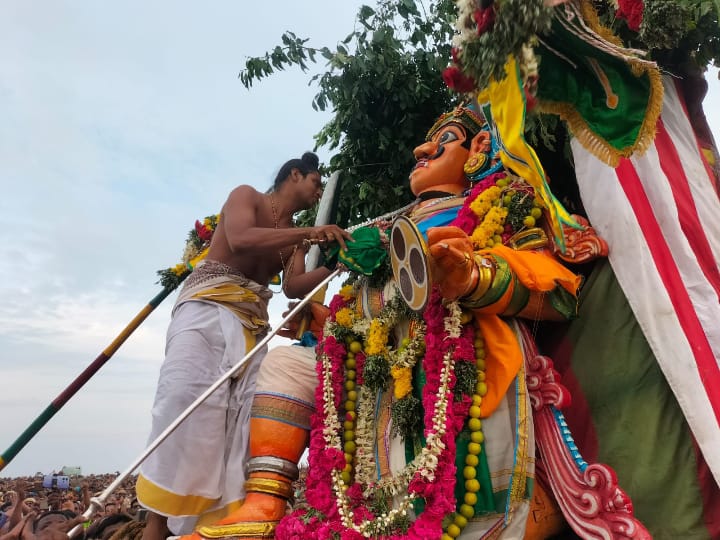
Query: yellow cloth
x,y
218,283
507,105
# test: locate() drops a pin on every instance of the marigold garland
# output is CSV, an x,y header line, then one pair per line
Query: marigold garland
x,y
344,317
197,242
497,208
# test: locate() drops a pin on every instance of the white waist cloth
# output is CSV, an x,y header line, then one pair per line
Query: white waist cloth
x,y
200,469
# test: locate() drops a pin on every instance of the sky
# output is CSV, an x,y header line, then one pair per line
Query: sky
x,y
120,124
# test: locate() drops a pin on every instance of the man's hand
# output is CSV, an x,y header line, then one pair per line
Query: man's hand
x,y
327,234
18,530
451,257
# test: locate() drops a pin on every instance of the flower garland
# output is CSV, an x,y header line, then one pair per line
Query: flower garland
x,y
498,207
488,31
197,242
688,28
360,509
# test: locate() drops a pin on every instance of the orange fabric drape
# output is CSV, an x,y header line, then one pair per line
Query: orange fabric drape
x,y
503,358
503,355
537,271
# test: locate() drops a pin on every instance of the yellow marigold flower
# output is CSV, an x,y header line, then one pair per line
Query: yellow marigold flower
x,y
179,269
344,317
347,292
377,338
403,381
484,232
482,204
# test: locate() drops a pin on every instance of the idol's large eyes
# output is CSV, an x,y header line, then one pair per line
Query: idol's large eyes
x,y
448,136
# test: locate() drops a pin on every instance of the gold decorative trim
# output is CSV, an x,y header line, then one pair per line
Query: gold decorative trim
x,y
269,486
593,142
250,529
486,274
529,239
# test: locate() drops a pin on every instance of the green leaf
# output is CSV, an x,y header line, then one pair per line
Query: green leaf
x,y
385,90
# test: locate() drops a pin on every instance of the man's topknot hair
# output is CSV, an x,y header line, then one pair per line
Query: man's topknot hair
x,y
309,162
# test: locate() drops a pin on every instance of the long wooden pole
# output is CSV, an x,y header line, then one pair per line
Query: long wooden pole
x,y
73,388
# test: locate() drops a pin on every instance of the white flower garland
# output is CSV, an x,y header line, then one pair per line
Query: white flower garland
x,y
425,463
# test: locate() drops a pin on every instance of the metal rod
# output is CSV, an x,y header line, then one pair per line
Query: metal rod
x,y
72,389
97,502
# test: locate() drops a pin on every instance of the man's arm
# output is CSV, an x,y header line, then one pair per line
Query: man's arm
x,y
239,221
298,283
85,490
19,503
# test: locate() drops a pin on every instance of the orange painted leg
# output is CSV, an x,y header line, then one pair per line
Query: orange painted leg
x,y
267,491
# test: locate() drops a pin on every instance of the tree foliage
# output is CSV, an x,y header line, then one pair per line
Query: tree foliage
x,y
384,84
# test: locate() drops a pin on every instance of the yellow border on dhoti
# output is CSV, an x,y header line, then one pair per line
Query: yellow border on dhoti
x,y
166,502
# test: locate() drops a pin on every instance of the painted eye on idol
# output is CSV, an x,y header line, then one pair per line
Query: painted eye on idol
x,y
448,136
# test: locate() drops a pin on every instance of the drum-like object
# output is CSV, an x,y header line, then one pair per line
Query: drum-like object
x,y
408,256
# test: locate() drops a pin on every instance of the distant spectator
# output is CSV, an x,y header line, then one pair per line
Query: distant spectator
x,y
54,500
104,529
111,508
68,502
32,504
132,530
50,518
134,507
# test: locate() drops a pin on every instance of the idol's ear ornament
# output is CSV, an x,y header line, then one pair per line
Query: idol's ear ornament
x,y
479,159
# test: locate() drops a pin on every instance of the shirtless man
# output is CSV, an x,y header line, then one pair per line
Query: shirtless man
x,y
197,475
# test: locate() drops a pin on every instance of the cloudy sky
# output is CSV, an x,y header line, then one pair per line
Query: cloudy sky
x,y
120,124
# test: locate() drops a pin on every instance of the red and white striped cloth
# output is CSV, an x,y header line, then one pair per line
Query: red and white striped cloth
x,y
660,215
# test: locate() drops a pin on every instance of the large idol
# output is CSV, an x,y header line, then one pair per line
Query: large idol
x,y
423,426
420,421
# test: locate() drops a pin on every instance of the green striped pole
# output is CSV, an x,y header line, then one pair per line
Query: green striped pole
x,y
64,396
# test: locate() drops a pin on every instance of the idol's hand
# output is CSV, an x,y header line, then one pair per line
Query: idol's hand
x,y
451,257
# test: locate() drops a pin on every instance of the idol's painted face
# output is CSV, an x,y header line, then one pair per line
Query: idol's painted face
x,y
440,162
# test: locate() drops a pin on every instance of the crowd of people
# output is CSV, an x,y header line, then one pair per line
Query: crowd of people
x,y
31,511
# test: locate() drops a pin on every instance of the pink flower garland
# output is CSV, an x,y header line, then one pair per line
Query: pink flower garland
x,y
438,494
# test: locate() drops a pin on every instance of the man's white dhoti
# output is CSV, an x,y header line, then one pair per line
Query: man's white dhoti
x,y
197,474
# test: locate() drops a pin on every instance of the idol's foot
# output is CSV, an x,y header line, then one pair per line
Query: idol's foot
x,y
236,531
256,518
